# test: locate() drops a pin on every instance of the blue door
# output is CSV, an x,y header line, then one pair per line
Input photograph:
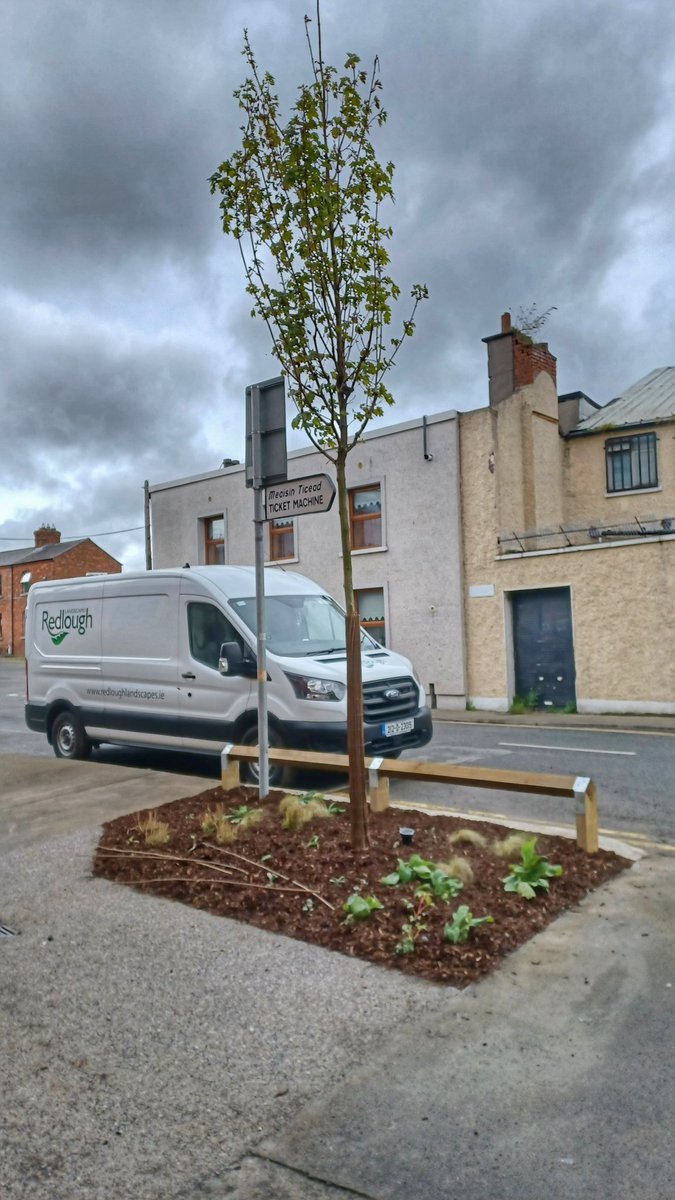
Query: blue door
x,y
544,646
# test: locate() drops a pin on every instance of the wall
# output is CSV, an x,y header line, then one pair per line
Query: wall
x,y
419,565
624,642
586,496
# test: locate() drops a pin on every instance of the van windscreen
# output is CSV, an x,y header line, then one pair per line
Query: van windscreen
x,y
296,625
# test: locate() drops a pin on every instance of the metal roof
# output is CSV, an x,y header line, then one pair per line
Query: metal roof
x,y
30,554
648,401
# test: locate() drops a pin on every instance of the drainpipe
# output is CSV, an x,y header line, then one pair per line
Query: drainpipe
x,y
11,611
148,542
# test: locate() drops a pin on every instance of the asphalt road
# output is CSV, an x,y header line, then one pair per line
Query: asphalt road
x,y
634,772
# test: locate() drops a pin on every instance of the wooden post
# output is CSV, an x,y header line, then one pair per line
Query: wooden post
x,y
587,814
378,787
229,768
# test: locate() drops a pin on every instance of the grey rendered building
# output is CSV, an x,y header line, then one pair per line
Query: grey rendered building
x,y
406,534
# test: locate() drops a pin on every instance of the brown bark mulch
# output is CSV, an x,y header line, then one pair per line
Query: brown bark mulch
x,y
295,882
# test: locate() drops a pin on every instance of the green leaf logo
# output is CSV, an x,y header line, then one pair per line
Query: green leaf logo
x,y
59,638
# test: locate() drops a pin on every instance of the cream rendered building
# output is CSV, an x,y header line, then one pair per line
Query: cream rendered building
x,y
569,558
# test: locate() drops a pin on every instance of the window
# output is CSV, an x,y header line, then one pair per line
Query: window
x,y
208,628
25,581
365,517
370,605
282,540
631,463
214,540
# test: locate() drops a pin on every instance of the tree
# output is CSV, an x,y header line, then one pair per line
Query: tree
x,y
303,201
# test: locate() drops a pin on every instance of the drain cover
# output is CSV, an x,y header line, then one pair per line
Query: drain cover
x,y
6,932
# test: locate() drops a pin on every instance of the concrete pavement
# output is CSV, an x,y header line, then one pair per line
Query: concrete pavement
x,y
159,1052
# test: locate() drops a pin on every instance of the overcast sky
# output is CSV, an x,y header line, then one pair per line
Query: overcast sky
x,y
535,163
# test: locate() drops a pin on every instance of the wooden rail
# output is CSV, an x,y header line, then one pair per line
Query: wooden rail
x,y
380,770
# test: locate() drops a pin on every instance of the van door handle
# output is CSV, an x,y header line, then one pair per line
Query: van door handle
x,y
188,675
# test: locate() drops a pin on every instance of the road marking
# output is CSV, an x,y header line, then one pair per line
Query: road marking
x,y
575,749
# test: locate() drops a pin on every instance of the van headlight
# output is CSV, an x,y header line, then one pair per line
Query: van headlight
x,y
308,688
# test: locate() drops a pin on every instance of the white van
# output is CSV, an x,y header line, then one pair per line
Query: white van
x,y
167,659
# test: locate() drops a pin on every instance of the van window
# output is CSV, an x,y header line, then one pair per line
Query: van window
x,y
208,628
298,625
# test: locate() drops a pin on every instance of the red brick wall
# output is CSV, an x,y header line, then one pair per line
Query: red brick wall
x,y
85,557
529,360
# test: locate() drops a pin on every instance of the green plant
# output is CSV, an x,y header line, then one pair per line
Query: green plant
x,y
462,923
359,908
237,816
525,704
339,880
305,198
470,706
533,872
313,843
413,930
431,879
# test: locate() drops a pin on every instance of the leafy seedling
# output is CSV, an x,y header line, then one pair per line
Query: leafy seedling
x,y
463,921
359,908
313,843
533,872
237,815
431,880
414,929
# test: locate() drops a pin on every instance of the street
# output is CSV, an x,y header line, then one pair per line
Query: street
x,y
633,771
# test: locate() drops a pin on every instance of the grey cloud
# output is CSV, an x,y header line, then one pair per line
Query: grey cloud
x,y
534,155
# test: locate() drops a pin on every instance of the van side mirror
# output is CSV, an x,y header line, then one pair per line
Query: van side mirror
x,y
231,659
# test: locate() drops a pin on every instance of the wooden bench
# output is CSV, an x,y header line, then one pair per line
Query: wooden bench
x,y
581,789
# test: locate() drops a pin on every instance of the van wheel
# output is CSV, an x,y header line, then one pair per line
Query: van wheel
x,y
278,773
68,737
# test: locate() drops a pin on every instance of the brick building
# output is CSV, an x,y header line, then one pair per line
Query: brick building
x,y
49,558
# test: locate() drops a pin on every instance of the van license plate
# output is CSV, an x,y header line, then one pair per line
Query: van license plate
x,y
392,728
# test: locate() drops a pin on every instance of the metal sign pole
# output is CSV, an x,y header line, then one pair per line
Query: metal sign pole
x,y
258,521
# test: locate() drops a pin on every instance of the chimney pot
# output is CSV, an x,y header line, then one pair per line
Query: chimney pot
x,y
506,322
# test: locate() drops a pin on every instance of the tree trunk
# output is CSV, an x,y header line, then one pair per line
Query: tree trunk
x,y
358,806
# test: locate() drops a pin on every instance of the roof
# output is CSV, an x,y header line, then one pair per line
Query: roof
x,y
31,554
650,400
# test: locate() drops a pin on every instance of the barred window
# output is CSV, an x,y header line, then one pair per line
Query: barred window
x,y
631,463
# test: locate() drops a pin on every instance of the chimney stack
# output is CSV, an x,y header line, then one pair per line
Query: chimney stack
x,y
514,361
47,535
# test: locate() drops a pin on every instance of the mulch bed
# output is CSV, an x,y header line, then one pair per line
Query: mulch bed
x,y
296,882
